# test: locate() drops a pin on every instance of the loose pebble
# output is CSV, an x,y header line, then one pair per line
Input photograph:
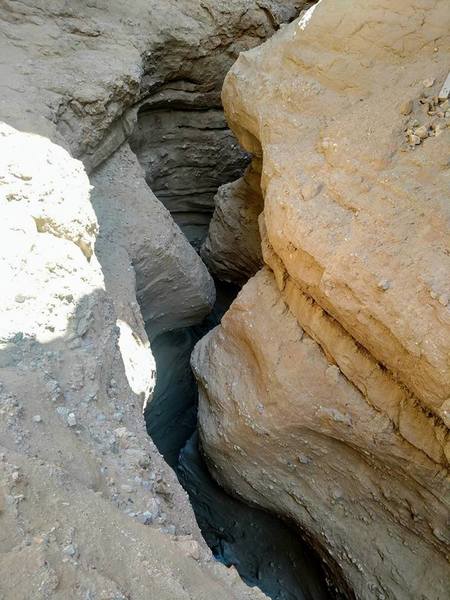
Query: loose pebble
x,y
421,132
383,284
414,139
406,107
443,299
70,550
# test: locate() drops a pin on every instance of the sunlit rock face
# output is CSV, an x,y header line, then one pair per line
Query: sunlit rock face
x,y
48,236
83,490
88,508
325,390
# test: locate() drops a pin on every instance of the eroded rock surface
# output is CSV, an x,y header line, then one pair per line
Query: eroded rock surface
x,y
187,155
76,72
173,287
279,563
324,392
232,249
83,491
88,508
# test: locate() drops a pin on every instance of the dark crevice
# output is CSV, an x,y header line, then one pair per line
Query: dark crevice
x,y
187,152
187,155
265,551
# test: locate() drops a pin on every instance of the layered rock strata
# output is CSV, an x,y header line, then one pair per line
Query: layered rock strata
x,y
325,391
88,508
187,154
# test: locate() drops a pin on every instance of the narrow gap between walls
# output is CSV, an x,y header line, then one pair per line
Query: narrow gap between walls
x,y
184,166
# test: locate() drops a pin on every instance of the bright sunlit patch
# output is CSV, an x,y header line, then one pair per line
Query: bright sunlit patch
x,y
138,361
307,16
47,235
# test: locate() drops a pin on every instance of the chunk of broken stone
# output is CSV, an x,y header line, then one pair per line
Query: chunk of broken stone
x,y
414,139
70,550
406,107
421,132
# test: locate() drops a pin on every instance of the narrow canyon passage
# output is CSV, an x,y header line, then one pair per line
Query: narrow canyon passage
x,y
263,549
224,357
187,153
186,156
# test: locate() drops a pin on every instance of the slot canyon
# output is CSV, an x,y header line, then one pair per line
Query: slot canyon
x,y
225,302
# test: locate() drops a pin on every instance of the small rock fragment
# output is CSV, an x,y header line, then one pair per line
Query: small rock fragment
x,y
190,547
70,550
383,284
443,299
37,419
445,90
421,132
311,189
414,139
304,460
145,518
71,420
428,82
332,373
406,107
170,529
337,494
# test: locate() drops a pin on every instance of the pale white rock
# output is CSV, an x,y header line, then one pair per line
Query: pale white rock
x,y
71,420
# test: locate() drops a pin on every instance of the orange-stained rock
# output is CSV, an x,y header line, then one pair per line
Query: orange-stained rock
x,y
325,391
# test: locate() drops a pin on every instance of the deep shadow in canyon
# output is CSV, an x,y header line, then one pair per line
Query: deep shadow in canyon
x,y
265,552
186,155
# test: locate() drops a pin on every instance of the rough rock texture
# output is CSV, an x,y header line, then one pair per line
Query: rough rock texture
x,y
79,67
173,286
280,564
325,391
187,155
232,249
88,508
80,479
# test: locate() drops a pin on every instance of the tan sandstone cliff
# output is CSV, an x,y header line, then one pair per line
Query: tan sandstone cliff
x,y
325,391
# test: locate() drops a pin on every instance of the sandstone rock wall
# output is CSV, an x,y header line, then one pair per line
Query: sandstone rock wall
x,y
187,155
324,392
88,508
232,249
